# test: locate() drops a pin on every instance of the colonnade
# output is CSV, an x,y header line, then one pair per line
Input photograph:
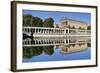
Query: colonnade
x,y
55,31
45,30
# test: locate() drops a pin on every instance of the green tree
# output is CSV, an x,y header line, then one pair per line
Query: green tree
x,y
88,44
27,20
79,28
48,22
73,27
89,28
37,22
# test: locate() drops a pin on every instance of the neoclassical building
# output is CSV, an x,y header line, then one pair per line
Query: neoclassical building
x,y
70,23
66,27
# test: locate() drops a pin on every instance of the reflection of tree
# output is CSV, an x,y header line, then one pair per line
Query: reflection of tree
x,y
28,52
69,45
48,50
88,44
37,50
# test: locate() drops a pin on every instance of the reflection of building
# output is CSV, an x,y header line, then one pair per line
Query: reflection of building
x,y
73,48
69,23
45,41
55,41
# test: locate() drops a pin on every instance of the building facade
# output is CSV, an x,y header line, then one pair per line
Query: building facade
x,y
69,23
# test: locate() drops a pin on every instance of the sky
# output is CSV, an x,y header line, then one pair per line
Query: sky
x,y
57,16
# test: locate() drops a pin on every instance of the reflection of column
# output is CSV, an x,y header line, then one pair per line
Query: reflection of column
x,y
29,42
35,41
29,29
59,31
68,41
26,30
65,41
23,30
48,31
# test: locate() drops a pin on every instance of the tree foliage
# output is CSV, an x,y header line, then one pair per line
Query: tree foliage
x,y
48,22
27,20
37,50
89,28
29,52
73,27
37,22
48,50
79,28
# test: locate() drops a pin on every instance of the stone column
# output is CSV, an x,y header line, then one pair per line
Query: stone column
x,y
65,31
34,30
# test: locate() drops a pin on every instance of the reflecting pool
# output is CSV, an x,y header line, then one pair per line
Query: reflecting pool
x,y
56,49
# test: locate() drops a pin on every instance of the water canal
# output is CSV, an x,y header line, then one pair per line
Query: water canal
x,y
56,49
